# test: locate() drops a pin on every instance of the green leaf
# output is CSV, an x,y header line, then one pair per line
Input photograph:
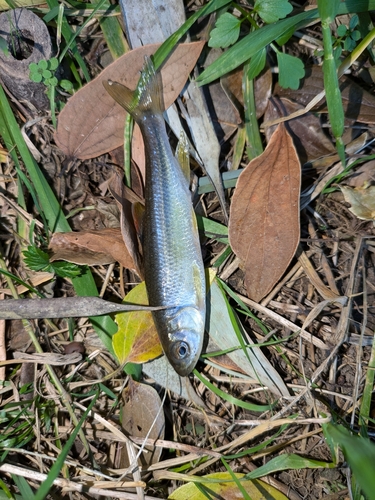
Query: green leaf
x,y
349,44
65,269
257,63
46,74
43,64
359,452
53,63
38,260
291,70
354,21
52,82
341,30
35,258
33,67
226,31
292,461
36,77
272,10
251,44
167,46
232,400
356,35
67,85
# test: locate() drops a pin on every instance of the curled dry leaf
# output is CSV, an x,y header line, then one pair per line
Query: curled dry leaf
x,y
306,130
362,201
91,248
232,85
264,217
142,416
92,123
358,104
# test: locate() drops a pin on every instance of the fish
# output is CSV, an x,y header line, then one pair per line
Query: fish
x,y
172,256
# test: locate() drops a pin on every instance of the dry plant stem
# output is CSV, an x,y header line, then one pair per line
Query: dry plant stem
x,y
282,321
358,372
66,400
3,353
342,326
73,486
293,273
313,276
323,260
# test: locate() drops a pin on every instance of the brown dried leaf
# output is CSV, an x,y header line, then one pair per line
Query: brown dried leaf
x,y
232,85
92,123
140,413
91,247
358,104
128,229
306,130
264,217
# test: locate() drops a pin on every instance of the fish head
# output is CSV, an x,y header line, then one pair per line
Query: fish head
x,y
185,339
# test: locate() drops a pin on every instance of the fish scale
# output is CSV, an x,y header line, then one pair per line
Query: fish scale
x,y
174,272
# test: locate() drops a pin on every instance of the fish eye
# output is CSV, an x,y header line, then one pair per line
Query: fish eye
x,y
181,350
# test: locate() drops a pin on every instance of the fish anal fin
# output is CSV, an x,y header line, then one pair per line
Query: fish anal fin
x,y
138,213
182,155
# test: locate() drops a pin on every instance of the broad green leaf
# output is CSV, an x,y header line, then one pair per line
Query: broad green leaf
x,y
272,10
284,462
291,70
257,490
226,31
136,340
257,64
362,201
251,44
359,452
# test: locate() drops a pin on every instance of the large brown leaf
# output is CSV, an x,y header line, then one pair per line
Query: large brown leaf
x,y
92,123
264,216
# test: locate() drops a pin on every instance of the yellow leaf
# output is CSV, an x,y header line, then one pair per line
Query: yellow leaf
x,y
362,201
136,340
256,489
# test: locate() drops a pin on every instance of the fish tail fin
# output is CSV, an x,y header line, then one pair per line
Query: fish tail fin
x,y
147,97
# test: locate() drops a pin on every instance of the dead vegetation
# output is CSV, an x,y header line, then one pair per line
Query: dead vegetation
x,y
301,284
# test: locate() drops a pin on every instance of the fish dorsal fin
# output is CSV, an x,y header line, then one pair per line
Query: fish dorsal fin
x,y
182,155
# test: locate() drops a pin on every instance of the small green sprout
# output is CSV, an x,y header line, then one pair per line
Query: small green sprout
x,y
44,71
349,36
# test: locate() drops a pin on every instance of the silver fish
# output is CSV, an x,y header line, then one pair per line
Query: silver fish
x,y
173,266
